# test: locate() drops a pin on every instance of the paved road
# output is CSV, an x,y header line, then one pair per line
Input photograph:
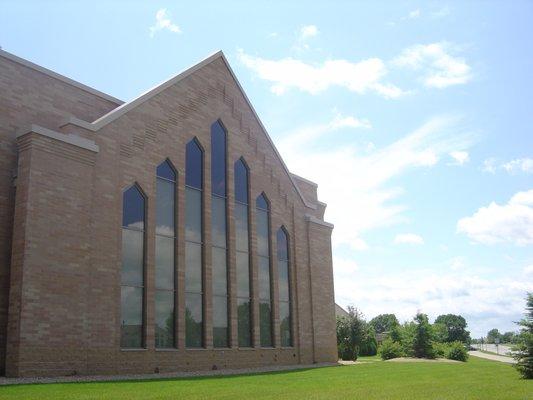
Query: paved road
x,y
493,357
502,349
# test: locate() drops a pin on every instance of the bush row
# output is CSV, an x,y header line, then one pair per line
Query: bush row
x,y
452,351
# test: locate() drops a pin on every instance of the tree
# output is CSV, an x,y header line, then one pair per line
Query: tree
x,y
524,349
422,347
352,331
492,335
508,337
455,327
440,332
384,323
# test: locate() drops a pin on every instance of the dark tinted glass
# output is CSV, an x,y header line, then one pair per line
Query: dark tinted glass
x,y
262,233
241,182
218,221
164,262
132,257
193,215
265,324
243,322
193,267
241,227
283,272
164,318
218,159
282,245
193,320
243,274
220,283
165,207
193,165
164,170
131,312
133,208
262,202
220,321
285,323
264,278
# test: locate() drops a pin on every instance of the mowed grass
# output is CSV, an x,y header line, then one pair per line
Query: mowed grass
x,y
374,379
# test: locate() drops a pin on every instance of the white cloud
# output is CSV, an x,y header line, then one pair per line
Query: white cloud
x,y
308,31
346,265
414,14
162,21
442,12
515,166
508,223
360,77
457,263
460,157
355,179
439,68
408,238
519,165
489,165
307,134
528,270
485,301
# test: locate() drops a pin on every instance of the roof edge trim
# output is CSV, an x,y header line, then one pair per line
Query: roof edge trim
x,y
315,220
301,178
60,77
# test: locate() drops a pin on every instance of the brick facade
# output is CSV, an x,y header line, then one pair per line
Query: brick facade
x,y
61,184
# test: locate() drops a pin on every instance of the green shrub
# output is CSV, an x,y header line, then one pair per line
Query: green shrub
x,y
347,352
390,349
440,349
369,347
456,351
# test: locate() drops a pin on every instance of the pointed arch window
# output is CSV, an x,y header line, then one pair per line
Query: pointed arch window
x,y
219,248
284,287
132,272
264,267
242,247
165,244
194,285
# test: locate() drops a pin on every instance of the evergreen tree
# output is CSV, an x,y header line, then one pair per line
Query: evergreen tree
x,y
422,347
524,348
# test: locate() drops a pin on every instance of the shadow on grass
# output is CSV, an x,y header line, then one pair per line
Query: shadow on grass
x,y
177,378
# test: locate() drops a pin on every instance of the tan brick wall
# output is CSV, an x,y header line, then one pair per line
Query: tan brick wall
x,y
68,213
28,96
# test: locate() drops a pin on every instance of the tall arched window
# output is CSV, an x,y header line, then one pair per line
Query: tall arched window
x,y
263,252
244,326
193,245
165,237
284,288
132,274
218,235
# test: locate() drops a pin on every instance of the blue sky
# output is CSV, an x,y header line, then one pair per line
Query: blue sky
x,y
413,117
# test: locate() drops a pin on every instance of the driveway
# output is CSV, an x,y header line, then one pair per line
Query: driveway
x,y
493,357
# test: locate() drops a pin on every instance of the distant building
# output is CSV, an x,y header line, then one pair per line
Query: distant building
x,y
340,312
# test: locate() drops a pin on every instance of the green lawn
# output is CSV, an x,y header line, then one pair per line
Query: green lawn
x,y
476,379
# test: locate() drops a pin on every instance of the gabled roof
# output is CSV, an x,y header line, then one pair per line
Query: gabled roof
x,y
124,108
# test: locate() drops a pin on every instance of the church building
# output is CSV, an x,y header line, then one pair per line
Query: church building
x,y
162,234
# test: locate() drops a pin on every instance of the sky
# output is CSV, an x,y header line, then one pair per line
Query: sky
x,y
414,118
